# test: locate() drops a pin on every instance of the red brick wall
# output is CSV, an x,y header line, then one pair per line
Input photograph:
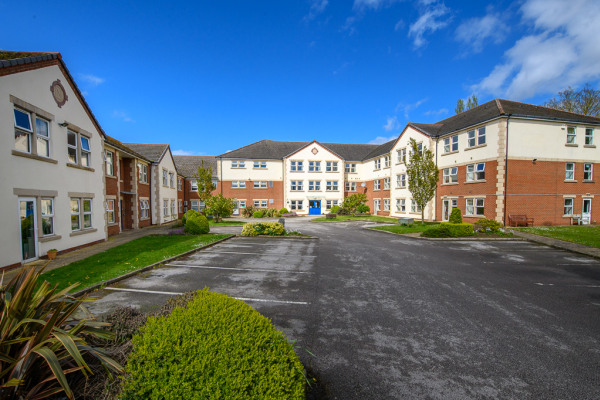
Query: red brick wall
x,y
373,194
144,191
112,189
249,193
180,195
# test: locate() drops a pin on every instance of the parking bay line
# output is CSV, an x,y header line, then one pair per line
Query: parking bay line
x,y
258,254
237,269
179,293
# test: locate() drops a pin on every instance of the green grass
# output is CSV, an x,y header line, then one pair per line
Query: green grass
x,y
125,258
225,223
373,218
588,235
401,229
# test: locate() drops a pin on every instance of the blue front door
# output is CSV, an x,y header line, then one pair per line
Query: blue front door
x,y
314,207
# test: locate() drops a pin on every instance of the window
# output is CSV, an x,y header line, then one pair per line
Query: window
x,y
260,203
331,166
589,136
171,179
401,180
450,175
571,135
43,137
238,164
350,187
72,147
194,185
475,207
386,183
378,163
23,131
332,186
85,151
242,203
260,164
414,207
179,183
75,217
331,203
314,185
110,211
377,205
47,217
451,144
180,205
260,184
109,163
238,184
401,205
401,154
296,166
475,172
314,166
143,173
350,168
476,139
376,184
386,204
568,206
386,161
166,208
570,171
165,177
87,213
173,209
144,208
81,209
296,204
587,172
214,183
195,205
297,186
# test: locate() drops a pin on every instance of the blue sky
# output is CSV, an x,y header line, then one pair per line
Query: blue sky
x,y
208,77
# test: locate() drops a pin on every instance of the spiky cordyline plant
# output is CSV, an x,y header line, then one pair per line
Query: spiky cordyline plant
x,y
42,340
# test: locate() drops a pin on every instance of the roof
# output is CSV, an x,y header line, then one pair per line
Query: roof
x,y
188,165
382,149
152,152
496,108
121,146
351,151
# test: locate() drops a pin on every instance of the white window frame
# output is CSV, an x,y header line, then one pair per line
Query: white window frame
x,y
72,146
260,165
377,163
386,183
238,184
296,186
476,137
314,166
571,134
260,203
76,213
401,156
386,204
570,172
331,186
376,184
472,206
47,215
173,208
165,178
241,203
401,180
401,205
143,173
350,186
314,186
386,162
414,207
171,180
450,175
589,136
476,172
588,172
377,205
179,183
350,168
297,166
330,203
195,205
568,206
331,166
260,184
42,138
165,208
194,185
296,205
24,130
144,209
238,164
110,211
85,154
451,144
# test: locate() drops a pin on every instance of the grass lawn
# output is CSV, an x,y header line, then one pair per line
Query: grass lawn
x,y
588,235
225,223
373,218
125,258
400,229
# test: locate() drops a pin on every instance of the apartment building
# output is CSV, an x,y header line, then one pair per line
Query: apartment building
x,y
187,166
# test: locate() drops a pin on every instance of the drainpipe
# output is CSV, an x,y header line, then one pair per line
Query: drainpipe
x,y
221,172
506,168
435,199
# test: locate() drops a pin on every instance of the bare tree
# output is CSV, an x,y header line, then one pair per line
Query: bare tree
x,y
585,101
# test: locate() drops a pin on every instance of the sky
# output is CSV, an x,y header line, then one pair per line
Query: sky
x,y
209,77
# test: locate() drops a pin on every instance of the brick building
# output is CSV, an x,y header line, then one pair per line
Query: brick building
x,y
187,166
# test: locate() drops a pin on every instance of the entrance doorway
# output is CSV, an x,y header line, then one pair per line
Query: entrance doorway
x,y
314,207
447,206
586,212
28,226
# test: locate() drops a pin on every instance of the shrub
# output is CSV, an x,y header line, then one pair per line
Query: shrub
x,y
197,224
41,339
258,214
353,201
248,211
217,347
335,209
188,214
263,228
363,208
447,229
270,212
220,207
439,231
492,224
283,211
343,211
455,216
276,214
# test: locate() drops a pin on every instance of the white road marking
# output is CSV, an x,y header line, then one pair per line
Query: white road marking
x,y
552,284
258,254
178,293
237,269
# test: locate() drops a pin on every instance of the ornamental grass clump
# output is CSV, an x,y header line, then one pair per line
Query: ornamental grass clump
x,y
263,228
215,348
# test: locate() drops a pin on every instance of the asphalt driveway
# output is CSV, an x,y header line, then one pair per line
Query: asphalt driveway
x,y
389,317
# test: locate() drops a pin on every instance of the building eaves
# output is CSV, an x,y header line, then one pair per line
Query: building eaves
x,y
121,146
152,152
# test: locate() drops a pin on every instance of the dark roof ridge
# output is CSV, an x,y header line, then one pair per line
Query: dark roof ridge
x,y
550,108
243,147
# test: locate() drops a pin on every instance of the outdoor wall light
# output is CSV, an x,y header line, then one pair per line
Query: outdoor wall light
x,y
534,160
63,124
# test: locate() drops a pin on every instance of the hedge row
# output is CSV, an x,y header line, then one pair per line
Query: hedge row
x,y
263,228
447,229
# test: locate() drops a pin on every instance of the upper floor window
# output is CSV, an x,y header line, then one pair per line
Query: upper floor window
x,y
386,161
475,172
378,163
165,177
43,137
238,164
314,185
314,166
331,166
587,171
238,184
72,147
451,144
85,150
25,131
260,164
78,151
386,183
570,171
194,185
589,136
401,180
350,187
571,135
297,186
350,168
376,184
332,186
143,170
450,175
179,183
109,163
260,184
401,155
474,139
296,166
171,179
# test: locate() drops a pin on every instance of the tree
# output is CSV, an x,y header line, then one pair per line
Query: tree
x,y
353,201
472,102
586,101
422,176
460,106
219,207
205,185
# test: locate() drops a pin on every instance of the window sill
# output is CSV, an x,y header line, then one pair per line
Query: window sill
x,y
314,172
238,167
33,157
588,181
589,146
143,183
331,172
474,216
77,166
112,224
238,188
83,232
350,173
570,181
49,238
476,147
451,152
400,187
386,167
111,176
262,169
571,145
454,183
315,191
296,172
479,181
332,191
400,163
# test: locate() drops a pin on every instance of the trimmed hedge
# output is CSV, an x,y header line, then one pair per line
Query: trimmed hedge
x,y
258,214
196,224
216,348
283,211
447,229
492,224
363,208
263,228
455,216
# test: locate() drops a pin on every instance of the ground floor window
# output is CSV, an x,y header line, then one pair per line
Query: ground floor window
x,y
180,206
110,211
81,210
377,205
144,208
296,204
414,207
401,205
476,207
47,217
166,208
260,203
195,205
568,206
386,204
173,209
330,203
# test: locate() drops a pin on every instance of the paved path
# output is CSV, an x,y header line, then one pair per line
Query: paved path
x,y
390,317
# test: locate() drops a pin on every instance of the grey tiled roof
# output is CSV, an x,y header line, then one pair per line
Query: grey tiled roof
x,y
381,150
351,151
11,58
121,146
152,152
188,165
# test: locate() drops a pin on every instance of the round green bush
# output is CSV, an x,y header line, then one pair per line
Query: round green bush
x,y
363,208
258,214
284,211
490,224
334,209
263,228
188,214
455,216
215,348
196,224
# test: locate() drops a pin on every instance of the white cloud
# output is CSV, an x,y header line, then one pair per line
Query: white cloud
x,y
436,113
429,21
91,80
382,139
407,108
316,8
181,152
122,115
391,124
341,68
563,50
373,4
474,32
